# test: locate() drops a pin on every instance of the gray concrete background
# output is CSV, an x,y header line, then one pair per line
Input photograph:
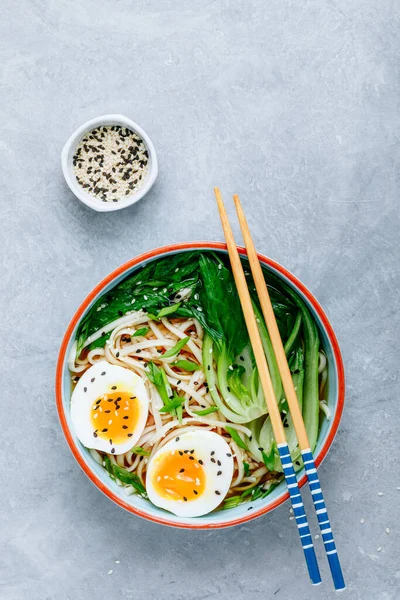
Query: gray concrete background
x,y
295,106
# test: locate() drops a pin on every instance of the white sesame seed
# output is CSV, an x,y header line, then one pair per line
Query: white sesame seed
x,y
230,368
379,549
110,421
316,536
133,300
362,521
291,518
387,530
117,562
199,309
291,510
145,297
110,572
398,488
116,413
155,289
210,350
95,416
219,266
380,493
177,269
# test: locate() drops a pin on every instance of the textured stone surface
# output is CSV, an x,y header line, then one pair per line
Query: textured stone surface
x,y
293,104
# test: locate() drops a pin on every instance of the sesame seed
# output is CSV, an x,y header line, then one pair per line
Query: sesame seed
x,y
217,492
380,493
387,530
316,536
200,462
103,373
117,562
212,453
291,518
379,549
219,473
114,387
85,389
185,499
93,378
110,572
362,521
182,471
177,439
229,454
195,492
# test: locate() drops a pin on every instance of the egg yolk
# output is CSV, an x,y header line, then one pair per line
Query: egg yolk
x,y
115,415
179,476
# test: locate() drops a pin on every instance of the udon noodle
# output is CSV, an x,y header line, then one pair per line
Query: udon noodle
x,y
135,353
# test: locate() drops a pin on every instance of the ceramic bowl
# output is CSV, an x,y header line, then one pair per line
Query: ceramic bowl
x,y
142,507
82,195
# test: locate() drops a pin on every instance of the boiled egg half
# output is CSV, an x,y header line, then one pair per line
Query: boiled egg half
x,y
191,475
109,408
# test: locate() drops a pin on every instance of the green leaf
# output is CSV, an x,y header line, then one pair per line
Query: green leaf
x,y
159,379
246,467
172,404
206,411
269,459
232,502
115,471
236,438
187,365
179,412
167,310
141,332
176,349
139,450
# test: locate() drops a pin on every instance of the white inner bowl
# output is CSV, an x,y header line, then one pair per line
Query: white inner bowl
x,y
70,177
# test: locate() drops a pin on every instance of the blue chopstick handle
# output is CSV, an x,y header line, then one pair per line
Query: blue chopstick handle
x,y
323,520
300,514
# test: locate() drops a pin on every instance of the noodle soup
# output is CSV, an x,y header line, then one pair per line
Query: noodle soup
x,y
172,342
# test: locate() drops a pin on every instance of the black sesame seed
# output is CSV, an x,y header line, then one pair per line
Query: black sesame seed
x,y
124,426
200,462
117,355
104,430
208,367
93,378
177,439
180,452
98,401
185,499
112,450
250,507
178,382
126,417
213,460
94,434
182,471
130,434
195,492
228,388
114,387
217,492
110,441
191,457
219,473
261,449
297,462
103,373
219,463
85,389
241,357
229,454
212,453
107,411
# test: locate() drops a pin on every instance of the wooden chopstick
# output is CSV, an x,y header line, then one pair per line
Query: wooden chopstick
x,y
291,397
272,405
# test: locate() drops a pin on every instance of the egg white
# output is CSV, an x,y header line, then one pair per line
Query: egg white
x,y
216,486
95,383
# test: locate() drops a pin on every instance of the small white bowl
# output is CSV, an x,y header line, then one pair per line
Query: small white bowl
x,y
67,167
